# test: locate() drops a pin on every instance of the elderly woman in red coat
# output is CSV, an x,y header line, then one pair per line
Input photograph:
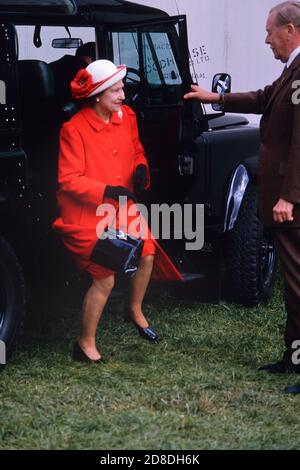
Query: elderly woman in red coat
x,y
101,159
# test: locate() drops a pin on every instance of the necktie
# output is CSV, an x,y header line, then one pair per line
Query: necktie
x,y
282,76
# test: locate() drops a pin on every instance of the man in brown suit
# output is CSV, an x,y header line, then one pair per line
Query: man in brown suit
x,y
279,162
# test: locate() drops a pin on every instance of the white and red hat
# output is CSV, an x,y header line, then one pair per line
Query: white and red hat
x,y
98,76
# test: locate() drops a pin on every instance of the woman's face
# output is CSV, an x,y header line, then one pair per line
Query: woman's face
x,y
110,101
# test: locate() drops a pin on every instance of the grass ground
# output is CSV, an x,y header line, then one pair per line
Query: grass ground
x,y
198,388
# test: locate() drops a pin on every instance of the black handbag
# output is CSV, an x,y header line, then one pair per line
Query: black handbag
x,y
118,251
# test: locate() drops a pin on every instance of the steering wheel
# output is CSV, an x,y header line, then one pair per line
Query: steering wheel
x,y
134,72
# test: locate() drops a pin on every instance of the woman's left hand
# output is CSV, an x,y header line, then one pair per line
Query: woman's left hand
x,y
115,192
140,179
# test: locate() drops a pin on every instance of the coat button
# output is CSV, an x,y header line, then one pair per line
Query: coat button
x,y
118,177
115,152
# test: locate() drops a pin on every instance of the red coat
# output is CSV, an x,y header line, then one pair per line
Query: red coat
x,y
94,154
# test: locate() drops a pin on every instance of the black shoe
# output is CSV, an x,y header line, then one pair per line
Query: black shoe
x,y
280,367
79,355
147,333
292,390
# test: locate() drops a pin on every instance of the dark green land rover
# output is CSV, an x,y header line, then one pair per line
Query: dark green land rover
x,y
195,158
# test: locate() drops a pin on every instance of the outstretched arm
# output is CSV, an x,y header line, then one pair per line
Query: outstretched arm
x,y
250,102
206,97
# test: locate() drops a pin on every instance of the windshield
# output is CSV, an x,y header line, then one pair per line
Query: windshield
x,y
155,64
160,64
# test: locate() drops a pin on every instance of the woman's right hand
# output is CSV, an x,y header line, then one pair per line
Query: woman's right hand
x,y
114,192
206,97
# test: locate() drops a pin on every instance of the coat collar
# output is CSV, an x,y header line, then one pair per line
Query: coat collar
x,y
289,70
293,56
96,122
283,79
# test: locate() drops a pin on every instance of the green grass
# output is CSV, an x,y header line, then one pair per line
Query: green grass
x,y
197,389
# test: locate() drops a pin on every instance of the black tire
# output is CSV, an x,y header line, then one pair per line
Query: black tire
x,y
12,296
252,258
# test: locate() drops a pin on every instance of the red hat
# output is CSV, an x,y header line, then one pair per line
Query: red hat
x,y
98,76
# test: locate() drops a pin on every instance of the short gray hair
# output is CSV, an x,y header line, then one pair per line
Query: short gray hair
x,y
287,12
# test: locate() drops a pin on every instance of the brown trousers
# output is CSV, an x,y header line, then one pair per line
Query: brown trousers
x,y
287,242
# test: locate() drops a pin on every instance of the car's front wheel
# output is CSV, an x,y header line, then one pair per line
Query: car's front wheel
x,y
252,258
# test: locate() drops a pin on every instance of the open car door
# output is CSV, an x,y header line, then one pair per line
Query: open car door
x,y
158,76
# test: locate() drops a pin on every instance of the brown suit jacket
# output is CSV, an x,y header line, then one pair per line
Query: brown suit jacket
x,y
279,162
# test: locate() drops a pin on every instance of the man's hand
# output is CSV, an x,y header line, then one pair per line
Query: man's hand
x,y
283,211
202,95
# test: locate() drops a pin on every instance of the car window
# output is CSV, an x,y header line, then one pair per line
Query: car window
x,y
160,64
27,49
157,51
125,50
163,82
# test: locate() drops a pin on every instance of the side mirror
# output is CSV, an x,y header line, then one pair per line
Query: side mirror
x,y
221,84
67,43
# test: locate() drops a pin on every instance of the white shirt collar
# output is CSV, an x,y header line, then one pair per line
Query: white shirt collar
x,y
293,56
